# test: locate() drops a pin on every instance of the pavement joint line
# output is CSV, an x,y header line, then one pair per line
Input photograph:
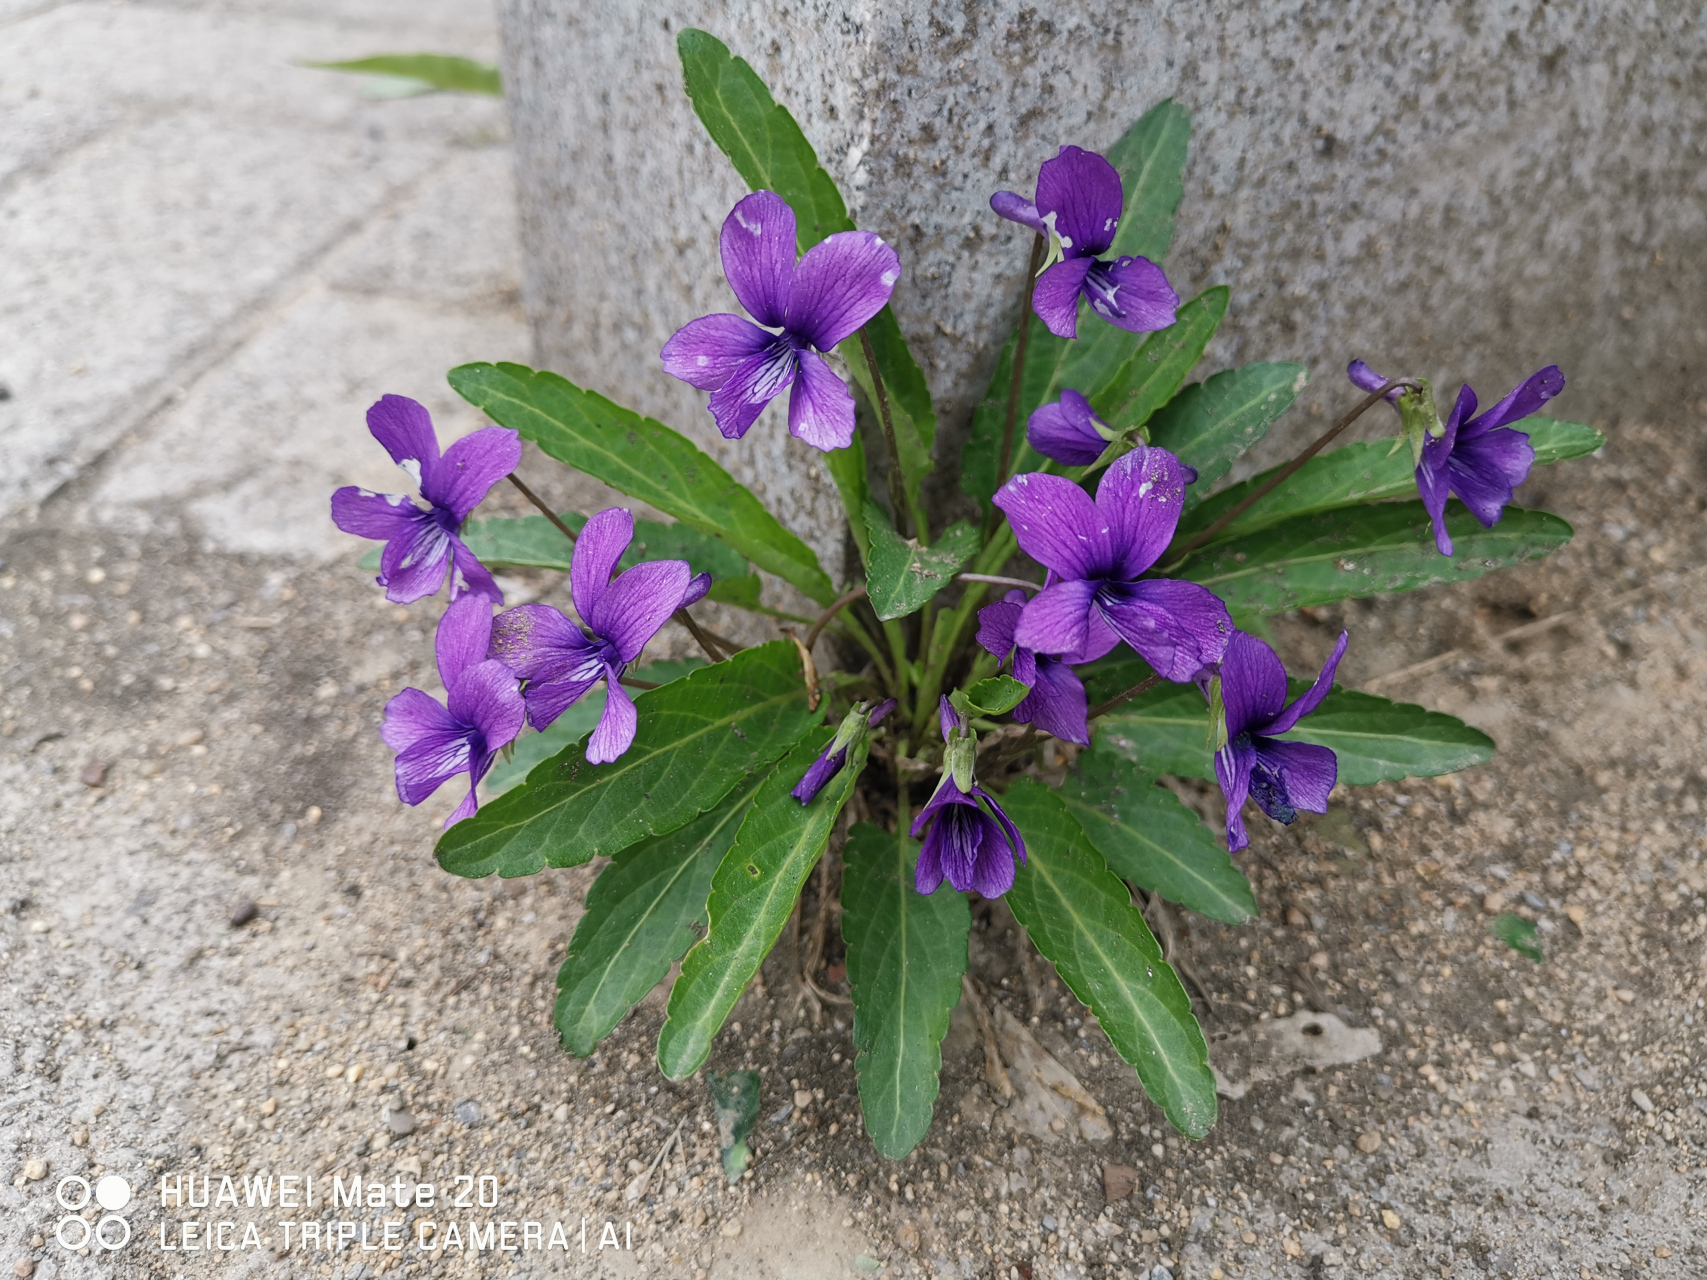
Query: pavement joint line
x,y
250,322
146,113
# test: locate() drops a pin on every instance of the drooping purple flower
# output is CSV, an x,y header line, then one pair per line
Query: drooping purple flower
x,y
834,756
1098,549
421,546
1282,777
1068,431
1079,199
561,662
1056,703
972,843
1480,459
842,281
435,743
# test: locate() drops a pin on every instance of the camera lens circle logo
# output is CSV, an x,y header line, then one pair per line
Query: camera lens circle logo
x,y
74,1232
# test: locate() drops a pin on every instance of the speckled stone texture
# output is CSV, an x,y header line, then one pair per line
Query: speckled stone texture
x,y
1450,190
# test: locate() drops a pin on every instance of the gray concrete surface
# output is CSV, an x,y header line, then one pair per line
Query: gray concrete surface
x,y
1452,190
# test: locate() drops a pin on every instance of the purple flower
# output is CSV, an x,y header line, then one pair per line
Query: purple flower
x,y
1282,777
422,546
1056,703
842,282
834,756
1479,459
972,843
1098,549
560,662
1078,206
435,743
1067,431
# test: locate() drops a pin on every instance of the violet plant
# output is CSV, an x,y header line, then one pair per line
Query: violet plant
x,y
1005,693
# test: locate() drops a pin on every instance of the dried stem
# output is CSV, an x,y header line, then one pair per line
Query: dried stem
x,y
994,1071
996,579
808,669
1019,360
1103,708
897,485
1287,472
544,510
824,618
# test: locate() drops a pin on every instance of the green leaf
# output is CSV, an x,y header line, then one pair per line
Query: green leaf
x,y
906,955
1359,473
735,1104
695,740
640,918
1149,379
742,592
1150,159
573,725
534,542
771,153
1354,552
1148,837
1376,740
1165,730
1212,422
752,894
1518,934
642,458
997,695
435,70
847,468
1081,918
901,574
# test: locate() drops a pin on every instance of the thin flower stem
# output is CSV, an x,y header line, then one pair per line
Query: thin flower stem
x,y
996,580
712,649
1291,468
897,484
639,684
1019,360
824,618
1103,708
544,510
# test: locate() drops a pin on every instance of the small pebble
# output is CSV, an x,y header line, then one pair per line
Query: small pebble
x,y
731,1229
24,1268
1389,1219
355,1073
313,816
40,926
1369,1143
35,1170
189,738
467,1112
270,1107
908,1237
242,912
1643,1103
94,773
400,1122
560,1113
79,1137
332,1073
803,1098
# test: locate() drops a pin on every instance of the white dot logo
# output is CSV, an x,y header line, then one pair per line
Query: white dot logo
x,y
112,1232
112,1193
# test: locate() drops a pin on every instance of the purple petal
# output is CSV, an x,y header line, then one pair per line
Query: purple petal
x,y
705,353
1016,208
1432,484
601,544
927,875
470,803
820,771
1253,685
1016,844
1056,620
992,868
1462,409
405,428
1485,469
413,566
878,712
1177,627
381,516
1312,697
948,718
1529,395
757,242
463,637
1056,703
1083,191
1233,765
698,585
1063,430
1055,296
1367,379
432,746
996,623
738,403
615,732
960,833
1307,771
1025,666
470,467
639,602
946,795
538,643
548,699
1131,294
1140,496
488,697
842,282
820,408
1057,525
469,576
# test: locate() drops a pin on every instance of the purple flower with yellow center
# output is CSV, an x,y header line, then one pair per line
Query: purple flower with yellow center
x,y
805,308
1252,762
972,843
561,662
1056,703
1478,458
1079,199
834,757
483,711
422,546
1097,550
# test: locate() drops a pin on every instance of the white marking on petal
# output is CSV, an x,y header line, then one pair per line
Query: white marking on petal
x,y
702,361
753,227
1144,488
412,466
1109,225
889,278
